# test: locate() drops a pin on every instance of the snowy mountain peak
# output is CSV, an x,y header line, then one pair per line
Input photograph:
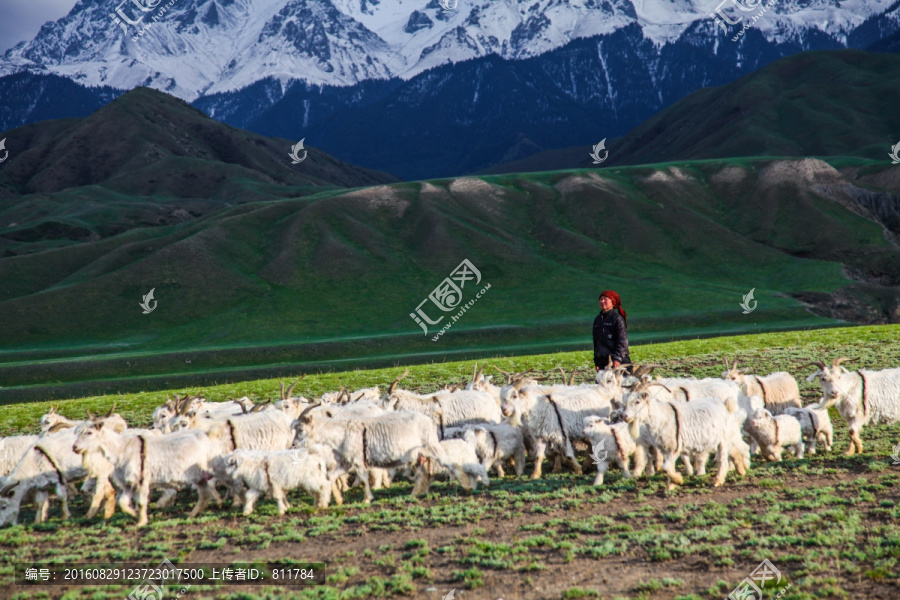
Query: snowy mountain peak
x,y
198,47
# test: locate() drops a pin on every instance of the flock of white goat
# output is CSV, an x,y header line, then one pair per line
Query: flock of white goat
x,y
366,438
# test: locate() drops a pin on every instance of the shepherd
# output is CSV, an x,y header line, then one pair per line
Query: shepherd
x,y
611,333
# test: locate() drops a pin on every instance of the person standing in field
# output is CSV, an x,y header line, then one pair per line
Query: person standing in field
x,y
611,333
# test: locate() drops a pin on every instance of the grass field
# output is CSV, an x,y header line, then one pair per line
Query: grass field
x,y
333,277
829,523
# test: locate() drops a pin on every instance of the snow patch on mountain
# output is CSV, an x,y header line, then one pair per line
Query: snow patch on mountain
x,y
201,47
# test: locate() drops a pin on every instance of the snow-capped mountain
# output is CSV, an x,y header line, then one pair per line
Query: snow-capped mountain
x,y
194,48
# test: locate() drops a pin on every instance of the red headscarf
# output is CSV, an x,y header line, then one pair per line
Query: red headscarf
x,y
617,303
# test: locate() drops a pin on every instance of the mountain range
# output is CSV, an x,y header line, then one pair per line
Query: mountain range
x,y
415,90
146,160
255,261
826,103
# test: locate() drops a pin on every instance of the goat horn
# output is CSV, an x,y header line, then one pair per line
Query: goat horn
x,y
111,410
478,375
816,363
186,405
572,378
57,426
562,374
508,376
358,398
90,415
475,373
282,390
306,411
397,381
642,370
290,390
838,361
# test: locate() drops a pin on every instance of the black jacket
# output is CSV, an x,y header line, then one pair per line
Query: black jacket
x,y
610,339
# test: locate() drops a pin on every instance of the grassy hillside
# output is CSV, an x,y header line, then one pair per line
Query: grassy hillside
x,y
146,159
334,276
823,103
826,103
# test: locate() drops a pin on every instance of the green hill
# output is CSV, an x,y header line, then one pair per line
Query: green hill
x,y
146,159
826,103
332,278
823,103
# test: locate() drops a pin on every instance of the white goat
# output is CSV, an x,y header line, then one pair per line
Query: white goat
x,y
815,425
774,432
50,464
693,428
392,440
555,419
462,453
11,450
609,442
264,430
260,472
862,397
779,391
494,443
144,461
449,409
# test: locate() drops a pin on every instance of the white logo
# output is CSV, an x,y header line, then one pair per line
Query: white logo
x,y
748,298
146,303
751,587
450,595
448,5
296,160
120,18
448,295
895,150
6,152
599,453
596,153
896,454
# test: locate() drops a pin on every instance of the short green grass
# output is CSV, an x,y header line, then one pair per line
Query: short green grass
x,y
873,346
